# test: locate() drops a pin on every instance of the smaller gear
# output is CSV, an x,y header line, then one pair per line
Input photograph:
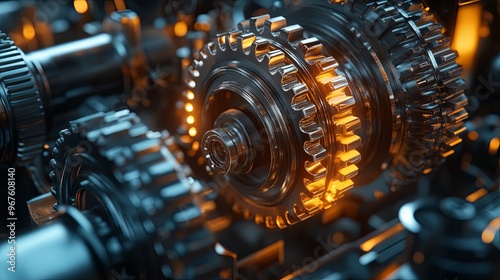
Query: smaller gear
x,y
113,163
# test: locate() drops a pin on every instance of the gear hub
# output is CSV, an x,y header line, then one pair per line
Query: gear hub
x,y
285,116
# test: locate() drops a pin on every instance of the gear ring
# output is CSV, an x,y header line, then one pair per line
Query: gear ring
x,y
410,53
288,60
113,163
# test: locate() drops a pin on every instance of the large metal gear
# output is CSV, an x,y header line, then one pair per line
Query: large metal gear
x,y
277,121
399,65
113,164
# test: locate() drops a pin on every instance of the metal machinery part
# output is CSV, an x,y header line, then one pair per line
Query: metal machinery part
x,y
286,114
138,204
36,86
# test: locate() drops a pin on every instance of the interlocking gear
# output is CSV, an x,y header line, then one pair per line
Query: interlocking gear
x,y
113,163
277,121
22,118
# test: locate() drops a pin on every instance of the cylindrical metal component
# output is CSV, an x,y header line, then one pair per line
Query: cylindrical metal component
x,y
42,254
70,72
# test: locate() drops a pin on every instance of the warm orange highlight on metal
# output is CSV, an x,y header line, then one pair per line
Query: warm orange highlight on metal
x,y
491,230
180,29
370,243
476,195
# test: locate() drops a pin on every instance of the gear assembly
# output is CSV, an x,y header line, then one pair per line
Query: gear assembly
x,y
247,139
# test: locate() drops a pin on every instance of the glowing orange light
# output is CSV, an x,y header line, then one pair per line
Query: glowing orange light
x,y
190,119
466,34
81,6
202,26
190,95
494,144
370,243
180,29
490,231
192,132
28,31
476,195
189,107
472,135
195,146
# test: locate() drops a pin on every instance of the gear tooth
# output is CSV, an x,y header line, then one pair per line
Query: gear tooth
x,y
457,101
290,218
344,159
316,188
270,223
347,172
316,169
288,76
193,72
292,33
337,83
259,22
247,214
53,163
315,150
211,48
453,142
261,48
299,211
311,49
52,176
276,60
244,25
329,64
222,41
275,24
311,204
237,208
300,89
302,103
446,153
347,142
347,124
233,39
245,42
259,219
340,102
280,222
337,189
457,116
311,128
456,129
